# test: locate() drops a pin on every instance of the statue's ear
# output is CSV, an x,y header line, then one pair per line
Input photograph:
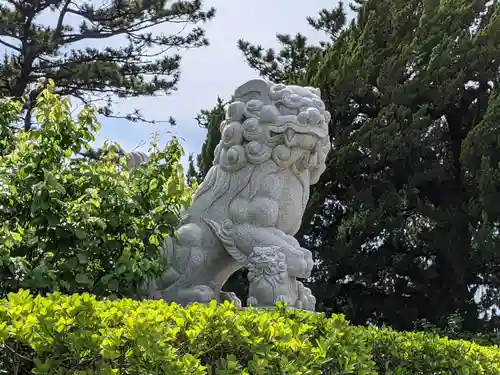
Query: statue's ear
x,y
255,89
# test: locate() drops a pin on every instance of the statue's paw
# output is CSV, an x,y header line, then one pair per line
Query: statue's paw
x,y
297,266
231,297
197,293
309,262
155,295
299,305
281,298
252,301
306,300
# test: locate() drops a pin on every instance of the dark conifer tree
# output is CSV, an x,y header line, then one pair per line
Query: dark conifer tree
x,y
405,219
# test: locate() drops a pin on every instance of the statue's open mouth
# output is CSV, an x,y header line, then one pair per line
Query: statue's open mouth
x,y
290,131
287,126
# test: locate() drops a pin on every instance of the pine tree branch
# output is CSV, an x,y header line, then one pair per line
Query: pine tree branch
x,y
60,20
124,71
9,45
128,29
72,38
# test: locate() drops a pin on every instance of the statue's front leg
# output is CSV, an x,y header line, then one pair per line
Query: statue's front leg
x,y
305,298
231,297
292,241
273,264
247,237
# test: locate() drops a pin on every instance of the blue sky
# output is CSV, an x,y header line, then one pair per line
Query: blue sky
x,y
213,71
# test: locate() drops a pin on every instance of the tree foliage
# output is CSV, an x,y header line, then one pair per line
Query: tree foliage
x,y
71,224
135,62
410,85
210,120
405,220
290,64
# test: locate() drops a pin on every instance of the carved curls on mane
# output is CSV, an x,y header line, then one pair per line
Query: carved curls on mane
x,y
263,117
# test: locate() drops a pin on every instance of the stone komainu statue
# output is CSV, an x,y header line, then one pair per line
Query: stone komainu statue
x,y
250,205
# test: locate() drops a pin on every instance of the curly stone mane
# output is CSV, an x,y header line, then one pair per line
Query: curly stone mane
x,y
262,121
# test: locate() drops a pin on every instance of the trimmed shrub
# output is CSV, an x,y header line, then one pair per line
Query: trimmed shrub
x,y
80,335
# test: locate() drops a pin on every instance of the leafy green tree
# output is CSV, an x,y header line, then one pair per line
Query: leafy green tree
x,y
192,172
71,224
404,221
68,53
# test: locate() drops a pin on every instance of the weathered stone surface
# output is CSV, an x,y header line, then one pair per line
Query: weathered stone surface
x,y
250,205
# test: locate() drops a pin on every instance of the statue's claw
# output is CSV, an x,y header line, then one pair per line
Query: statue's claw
x,y
252,301
281,298
306,300
299,262
309,261
185,296
231,297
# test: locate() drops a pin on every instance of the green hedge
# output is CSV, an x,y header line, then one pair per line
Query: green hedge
x,y
79,335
